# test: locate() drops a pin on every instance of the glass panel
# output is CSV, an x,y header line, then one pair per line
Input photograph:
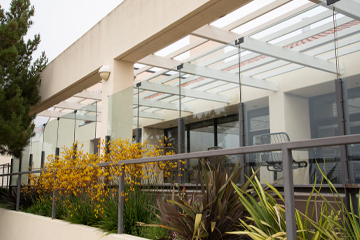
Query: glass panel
x,y
353,127
348,42
328,164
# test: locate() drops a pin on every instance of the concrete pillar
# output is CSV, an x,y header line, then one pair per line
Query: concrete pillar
x,y
290,114
117,101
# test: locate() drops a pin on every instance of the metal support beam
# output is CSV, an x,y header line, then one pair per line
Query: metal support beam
x,y
229,77
163,105
151,115
55,114
78,106
349,8
212,73
89,94
223,36
155,87
289,194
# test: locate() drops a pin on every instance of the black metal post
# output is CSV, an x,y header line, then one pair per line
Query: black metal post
x,y
53,209
57,152
242,141
42,159
2,182
107,144
11,171
181,129
96,144
18,192
241,115
342,131
30,165
75,126
121,201
8,177
181,144
138,135
138,129
289,194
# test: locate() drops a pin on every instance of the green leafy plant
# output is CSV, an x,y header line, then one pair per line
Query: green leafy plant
x,y
8,199
267,217
208,215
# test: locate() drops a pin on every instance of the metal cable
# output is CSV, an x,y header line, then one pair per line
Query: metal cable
x,y
179,93
95,117
138,115
57,134
239,57
336,43
75,125
42,149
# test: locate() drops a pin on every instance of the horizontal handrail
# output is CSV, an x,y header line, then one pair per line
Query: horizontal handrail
x,y
293,145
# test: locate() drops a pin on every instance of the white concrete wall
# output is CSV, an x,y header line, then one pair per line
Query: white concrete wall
x,y
35,227
4,159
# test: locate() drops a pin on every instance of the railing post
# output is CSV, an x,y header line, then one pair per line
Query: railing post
x,y
30,165
42,159
107,144
18,190
8,177
121,201
289,194
2,182
53,209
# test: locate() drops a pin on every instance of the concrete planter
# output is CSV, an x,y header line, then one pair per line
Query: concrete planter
x,y
19,225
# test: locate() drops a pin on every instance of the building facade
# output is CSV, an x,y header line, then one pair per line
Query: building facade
x,y
283,62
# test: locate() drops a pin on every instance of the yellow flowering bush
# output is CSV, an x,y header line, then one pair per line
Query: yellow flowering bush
x,y
78,174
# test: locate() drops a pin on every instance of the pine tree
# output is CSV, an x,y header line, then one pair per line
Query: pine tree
x,y
19,77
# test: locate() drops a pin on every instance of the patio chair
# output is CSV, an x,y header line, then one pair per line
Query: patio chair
x,y
274,159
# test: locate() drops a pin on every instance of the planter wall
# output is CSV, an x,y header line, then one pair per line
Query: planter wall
x,y
19,226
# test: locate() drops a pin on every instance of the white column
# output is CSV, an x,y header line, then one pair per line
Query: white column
x,y
117,101
290,114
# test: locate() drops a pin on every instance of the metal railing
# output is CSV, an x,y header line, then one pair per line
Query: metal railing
x,y
4,180
286,149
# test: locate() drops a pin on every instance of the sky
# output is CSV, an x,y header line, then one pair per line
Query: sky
x,y
62,22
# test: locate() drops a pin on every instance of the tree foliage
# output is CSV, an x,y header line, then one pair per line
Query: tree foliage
x,y
19,77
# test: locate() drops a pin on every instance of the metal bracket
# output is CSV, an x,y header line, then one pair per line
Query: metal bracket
x,y
181,66
329,2
239,41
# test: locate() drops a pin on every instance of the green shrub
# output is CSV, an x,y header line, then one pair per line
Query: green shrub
x,y
212,214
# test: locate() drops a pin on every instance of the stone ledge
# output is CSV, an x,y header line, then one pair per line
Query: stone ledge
x,y
19,225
